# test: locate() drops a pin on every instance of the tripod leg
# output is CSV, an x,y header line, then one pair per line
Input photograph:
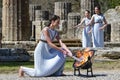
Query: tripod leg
x,y
79,71
74,71
91,72
87,71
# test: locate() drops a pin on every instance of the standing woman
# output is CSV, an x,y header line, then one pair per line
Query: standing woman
x,y
99,24
86,36
48,58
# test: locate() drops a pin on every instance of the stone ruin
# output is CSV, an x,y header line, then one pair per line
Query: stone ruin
x,y
0,26
87,5
19,28
62,9
39,18
12,54
73,20
15,20
113,19
15,27
22,22
14,24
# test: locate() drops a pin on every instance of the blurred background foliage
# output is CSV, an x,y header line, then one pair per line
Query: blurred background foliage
x,y
105,4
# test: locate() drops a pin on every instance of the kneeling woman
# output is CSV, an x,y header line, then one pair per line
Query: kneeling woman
x,y
48,58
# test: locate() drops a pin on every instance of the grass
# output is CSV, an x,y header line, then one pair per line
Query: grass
x,y
107,65
8,67
12,67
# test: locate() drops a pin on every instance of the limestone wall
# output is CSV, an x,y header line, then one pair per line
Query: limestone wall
x,y
32,8
62,9
112,15
115,31
0,12
73,20
113,18
15,20
0,20
49,5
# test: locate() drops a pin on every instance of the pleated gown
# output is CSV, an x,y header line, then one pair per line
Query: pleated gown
x,y
86,37
98,35
47,60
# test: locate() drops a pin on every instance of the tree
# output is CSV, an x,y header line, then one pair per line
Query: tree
x,y
107,4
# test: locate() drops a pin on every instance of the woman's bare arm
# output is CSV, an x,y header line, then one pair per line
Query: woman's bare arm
x,y
47,36
91,21
69,53
105,24
82,21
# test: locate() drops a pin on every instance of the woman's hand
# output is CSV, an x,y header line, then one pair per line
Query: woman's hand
x,y
64,51
87,24
75,26
89,31
101,28
67,52
70,53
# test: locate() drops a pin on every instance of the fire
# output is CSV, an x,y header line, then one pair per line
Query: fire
x,y
85,54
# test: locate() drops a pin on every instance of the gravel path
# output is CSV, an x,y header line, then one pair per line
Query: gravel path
x,y
98,75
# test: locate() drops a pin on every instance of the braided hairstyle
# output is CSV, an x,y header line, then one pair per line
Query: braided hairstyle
x,y
54,17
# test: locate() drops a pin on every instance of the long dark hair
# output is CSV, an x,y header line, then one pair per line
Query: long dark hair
x,y
54,17
87,11
98,7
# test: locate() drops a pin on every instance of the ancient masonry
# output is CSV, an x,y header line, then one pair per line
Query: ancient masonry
x,y
17,27
0,26
39,18
63,9
114,23
115,31
68,19
24,22
87,5
73,20
15,20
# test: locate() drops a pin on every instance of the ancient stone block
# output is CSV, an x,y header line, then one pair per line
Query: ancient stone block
x,y
73,20
39,25
115,31
86,5
15,20
14,54
32,8
112,15
62,9
41,15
